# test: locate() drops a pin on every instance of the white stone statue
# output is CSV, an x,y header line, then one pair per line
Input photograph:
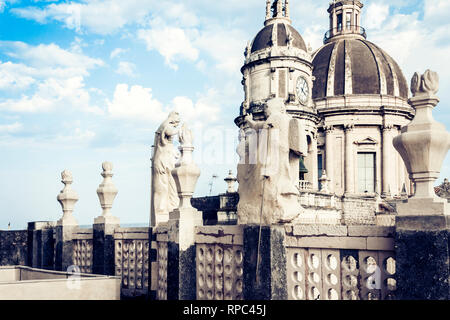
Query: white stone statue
x,y
164,195
268,174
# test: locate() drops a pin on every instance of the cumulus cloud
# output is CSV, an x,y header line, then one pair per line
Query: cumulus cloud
x,y
97,16
171,42
51,78
138,103
376,15
117,52
126,68
135,102
11,128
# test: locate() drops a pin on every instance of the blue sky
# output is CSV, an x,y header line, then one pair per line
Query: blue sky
x,y
82,82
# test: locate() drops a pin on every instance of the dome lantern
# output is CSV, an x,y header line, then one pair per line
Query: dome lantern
x,y
345,20
276,11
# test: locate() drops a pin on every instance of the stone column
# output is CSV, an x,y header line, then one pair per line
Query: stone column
x,y
314,166
388,160
329,156
423,221
65,226
349,163
105,226
181,267
265,275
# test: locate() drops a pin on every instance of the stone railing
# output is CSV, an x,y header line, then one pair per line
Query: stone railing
x,y
304,185
162,252
340,262
132,260
82,250
219,260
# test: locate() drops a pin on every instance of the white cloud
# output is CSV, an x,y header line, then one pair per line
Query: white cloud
x,y
135,102
98,16
52,77
172,43
117,52
138,103
225,46
11,128
376,14
127,69
15,76
52,94
202,112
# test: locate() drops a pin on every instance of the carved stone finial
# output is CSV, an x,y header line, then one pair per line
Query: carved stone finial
x,y
230,180
324,180
428,83
423,145
106,193
186,172
67,198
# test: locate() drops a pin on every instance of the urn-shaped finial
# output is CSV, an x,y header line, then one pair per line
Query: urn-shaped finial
x,y
324,180
186,172
67,198
107,191
424,142
230,180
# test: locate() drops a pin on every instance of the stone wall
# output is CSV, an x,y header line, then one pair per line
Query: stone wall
x,y
13,247
359,210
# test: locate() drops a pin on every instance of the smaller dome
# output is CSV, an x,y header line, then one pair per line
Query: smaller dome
x,y
264,38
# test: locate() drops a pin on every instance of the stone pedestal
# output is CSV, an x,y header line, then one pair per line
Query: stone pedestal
x,y
181,272
422,222
422,257
103,250
64,246
265,280
41,244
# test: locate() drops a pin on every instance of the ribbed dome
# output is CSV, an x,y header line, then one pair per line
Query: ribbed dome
x,y
264,38
356,66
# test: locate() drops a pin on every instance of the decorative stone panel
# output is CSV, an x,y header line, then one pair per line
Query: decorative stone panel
x,y
162,254
82,254
219,272
340,274
132,265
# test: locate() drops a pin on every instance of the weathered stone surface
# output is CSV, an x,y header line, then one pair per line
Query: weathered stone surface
x,y
380,243
333,242
268,281
316,230
13,247
422,265
370,231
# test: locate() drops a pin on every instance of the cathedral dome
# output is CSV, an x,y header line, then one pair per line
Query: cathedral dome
x,y
280,34
356,66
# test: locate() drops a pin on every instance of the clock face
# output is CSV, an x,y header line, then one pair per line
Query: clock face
x,y
302,90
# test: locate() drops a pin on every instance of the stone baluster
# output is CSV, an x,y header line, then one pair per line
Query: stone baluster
x,y
105,225
107,192
422,222
67,198
65,226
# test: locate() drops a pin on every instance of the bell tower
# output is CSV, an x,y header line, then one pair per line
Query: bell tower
x,y
278,64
